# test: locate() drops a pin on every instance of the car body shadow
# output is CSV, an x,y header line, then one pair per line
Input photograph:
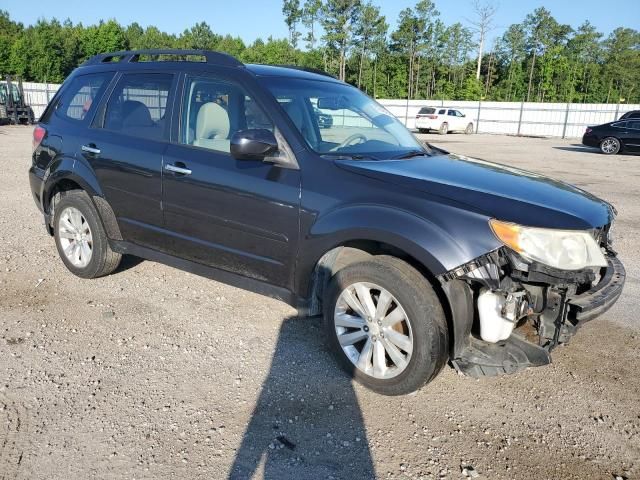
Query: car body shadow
x,y
127,262
307,421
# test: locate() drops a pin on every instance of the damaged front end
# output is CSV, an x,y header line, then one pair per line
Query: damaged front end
x,y
509,312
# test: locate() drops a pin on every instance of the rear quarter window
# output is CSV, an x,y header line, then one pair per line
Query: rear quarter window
x,y
79,99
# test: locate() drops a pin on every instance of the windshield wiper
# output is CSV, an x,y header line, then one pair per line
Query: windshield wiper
x,y
411,154
350,156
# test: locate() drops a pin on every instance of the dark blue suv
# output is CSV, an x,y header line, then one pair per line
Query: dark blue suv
x,y
414,256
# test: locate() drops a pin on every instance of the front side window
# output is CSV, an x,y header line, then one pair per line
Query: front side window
x,y
215,109
138,105
337,119
82,95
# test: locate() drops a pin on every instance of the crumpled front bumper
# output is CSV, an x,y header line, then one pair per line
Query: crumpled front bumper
x,y
600,298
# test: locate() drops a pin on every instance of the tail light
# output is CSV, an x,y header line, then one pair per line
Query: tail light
x,y
432,117
588,130
38,134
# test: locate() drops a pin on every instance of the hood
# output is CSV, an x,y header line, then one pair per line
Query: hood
x,y
495,190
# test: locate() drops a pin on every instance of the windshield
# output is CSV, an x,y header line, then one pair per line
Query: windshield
x,y
339,120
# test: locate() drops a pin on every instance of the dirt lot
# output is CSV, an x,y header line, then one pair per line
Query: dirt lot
x,y
156,373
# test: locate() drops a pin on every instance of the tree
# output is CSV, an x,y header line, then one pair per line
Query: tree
x,y
338,20
310,17
370,31
483,24
292,16
199,37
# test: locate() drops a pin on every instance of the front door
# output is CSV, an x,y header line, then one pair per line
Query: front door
x,y
236,215
632,135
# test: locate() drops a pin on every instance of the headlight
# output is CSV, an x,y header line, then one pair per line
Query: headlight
x,y
562,249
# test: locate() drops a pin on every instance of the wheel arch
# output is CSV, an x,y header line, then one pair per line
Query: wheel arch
x,y
66,175
356,250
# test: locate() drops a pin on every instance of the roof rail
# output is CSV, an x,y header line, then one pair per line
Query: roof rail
x,y
210,56
307,69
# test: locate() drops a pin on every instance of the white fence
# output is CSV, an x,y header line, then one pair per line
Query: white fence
x,y
565,120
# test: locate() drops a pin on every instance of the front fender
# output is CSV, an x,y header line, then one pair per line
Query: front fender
x,y
457,237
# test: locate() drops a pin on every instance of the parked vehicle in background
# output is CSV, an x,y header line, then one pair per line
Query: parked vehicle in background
x,y
13,107
631,114
443,120
614,137
414,256
324,119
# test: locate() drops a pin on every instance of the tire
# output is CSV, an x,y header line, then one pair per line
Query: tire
x,y
100,260
444,128
423,324
610,146
469,129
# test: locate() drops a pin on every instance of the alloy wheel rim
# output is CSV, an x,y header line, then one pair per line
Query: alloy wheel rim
x,y
373,330
608,146
75,237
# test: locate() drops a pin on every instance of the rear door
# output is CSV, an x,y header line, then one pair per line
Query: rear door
x,y
125,148
236,215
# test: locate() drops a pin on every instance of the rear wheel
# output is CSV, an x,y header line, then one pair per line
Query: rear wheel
x,y
610,146
444,128
469,129
386,326
81,240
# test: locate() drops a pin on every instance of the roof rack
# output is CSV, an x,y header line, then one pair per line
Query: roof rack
x,y
307,69
133,56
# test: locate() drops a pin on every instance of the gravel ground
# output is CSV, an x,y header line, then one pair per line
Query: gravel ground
x,y
156,373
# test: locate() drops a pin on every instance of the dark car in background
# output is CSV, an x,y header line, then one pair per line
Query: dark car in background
x,y
631,114
614,137
324,119
414,256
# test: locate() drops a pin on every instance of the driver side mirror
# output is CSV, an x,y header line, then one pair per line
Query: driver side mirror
x,y
253,144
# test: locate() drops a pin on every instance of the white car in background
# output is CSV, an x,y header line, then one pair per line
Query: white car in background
x,y
444,120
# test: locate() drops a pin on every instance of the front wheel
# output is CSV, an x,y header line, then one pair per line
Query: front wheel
x,y
386,326
469,129
610,146
444,128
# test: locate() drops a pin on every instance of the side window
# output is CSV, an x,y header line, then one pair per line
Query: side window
x,y
214,109
451,113
634,124
459,114
619,124
82,96
138,105
442,112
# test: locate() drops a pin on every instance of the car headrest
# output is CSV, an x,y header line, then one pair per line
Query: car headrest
x,y
135,114
212,121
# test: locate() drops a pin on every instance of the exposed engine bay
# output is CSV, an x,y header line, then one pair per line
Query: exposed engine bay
x,y
523,309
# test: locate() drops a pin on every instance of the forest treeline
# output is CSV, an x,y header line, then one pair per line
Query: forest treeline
x,y
538,59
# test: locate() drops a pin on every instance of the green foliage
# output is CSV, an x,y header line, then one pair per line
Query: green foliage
x,y
538,59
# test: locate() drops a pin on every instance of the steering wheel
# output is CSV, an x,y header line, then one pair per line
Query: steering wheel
x,y
350,139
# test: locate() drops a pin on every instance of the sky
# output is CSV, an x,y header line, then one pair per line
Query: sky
x,y
251,19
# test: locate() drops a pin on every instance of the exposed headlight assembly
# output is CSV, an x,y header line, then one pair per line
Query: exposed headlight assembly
x,y
561,249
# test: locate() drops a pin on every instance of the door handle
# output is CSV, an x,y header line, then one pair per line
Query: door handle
x,y
90,149
180,170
